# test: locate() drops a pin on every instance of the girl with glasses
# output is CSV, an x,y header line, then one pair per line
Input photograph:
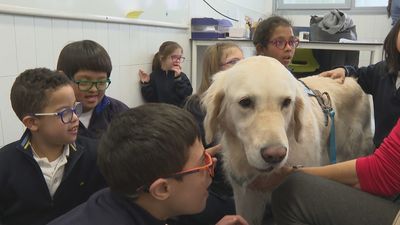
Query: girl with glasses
x,y
218,57
274,37
166,83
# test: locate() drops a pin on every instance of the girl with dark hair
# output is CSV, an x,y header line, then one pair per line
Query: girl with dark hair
x,y
274,37
166,83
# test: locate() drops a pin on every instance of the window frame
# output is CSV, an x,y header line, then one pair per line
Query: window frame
x,y
309,9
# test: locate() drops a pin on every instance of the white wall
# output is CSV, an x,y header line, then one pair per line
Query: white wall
x,y
29,42
236,9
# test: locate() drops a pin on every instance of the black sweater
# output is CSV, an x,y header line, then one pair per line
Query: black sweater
x,y
24,196
378,82
102,115
107,208
165,87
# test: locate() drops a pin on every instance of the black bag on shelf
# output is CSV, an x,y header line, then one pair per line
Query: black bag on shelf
x,y
332,27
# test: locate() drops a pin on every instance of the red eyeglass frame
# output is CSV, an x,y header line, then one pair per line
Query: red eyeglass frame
x,y
210,166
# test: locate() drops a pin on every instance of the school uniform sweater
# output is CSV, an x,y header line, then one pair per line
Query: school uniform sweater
x,y
101,117
377,81
24,195
166,88
107,208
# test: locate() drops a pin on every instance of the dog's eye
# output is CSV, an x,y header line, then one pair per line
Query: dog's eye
x,y
286,102
246,103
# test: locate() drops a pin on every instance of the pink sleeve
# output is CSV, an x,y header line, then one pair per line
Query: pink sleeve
x,y
379,173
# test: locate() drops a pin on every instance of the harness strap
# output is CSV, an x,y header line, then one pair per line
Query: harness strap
x,y
326,106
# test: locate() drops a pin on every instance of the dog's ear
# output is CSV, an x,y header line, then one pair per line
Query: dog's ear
x,y
212,101
298,117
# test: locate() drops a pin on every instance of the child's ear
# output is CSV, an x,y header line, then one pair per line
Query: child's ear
x,y
259,49
159,189
31,122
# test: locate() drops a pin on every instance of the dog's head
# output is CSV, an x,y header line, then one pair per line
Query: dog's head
x,y
257,103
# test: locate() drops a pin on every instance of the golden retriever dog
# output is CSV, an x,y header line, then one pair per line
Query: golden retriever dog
x,y
266,119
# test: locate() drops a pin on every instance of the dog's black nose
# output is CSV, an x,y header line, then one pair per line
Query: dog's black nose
x,y
273,154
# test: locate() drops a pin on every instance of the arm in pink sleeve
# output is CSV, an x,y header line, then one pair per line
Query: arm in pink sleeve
x,y
379,173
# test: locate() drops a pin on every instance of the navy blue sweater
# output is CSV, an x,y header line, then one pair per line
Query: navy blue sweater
x,y
102,115
24,196
107,208
378,82
165,87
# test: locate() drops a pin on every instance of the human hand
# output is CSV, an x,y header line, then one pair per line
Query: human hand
x,y
178,69
232,220
269,182
337,74
144,77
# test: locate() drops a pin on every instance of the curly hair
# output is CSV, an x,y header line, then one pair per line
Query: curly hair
x,y
32,88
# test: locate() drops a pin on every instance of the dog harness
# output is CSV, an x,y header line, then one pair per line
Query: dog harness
x,y
324,101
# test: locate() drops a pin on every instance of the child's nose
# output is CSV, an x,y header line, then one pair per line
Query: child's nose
x,y
75,117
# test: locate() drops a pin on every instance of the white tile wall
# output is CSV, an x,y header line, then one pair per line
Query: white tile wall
x,y
29,42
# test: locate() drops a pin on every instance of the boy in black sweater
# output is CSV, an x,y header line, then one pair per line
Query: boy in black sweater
x,y
48,171
156,166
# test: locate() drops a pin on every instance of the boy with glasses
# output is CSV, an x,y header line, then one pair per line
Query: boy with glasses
x,y
89,66
156,166
48,171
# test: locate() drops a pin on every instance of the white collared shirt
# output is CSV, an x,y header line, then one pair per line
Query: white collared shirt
x,y
85,118
52,171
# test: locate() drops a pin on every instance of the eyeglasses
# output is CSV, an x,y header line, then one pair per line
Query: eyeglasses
x,y
86,85
177,58
209,166
231,62
67,114
281,44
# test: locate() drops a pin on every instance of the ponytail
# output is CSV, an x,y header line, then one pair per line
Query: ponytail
x,y
156,65
166,49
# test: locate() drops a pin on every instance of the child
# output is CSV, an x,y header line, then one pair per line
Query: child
x,y
274,38
382,81
156,166
218,57
48,171
166,83
88,65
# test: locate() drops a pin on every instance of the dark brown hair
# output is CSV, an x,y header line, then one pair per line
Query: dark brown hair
x,y
266,28
84,55
32,88
392,54
144,144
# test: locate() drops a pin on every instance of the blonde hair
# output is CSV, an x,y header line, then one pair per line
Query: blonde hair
x,y
212,62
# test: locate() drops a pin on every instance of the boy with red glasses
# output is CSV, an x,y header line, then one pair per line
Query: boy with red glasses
x,y
156,166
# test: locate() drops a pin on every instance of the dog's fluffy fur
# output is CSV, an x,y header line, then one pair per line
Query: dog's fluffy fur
x,y
266,119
